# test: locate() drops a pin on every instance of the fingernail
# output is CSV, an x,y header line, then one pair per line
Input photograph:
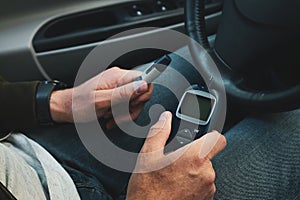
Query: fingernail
x,y
140,86
164,116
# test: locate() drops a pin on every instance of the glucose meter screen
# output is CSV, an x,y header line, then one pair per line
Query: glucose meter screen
x,y
197,107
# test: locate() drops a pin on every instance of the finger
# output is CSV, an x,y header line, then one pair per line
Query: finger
x,y
128,91
108,114
214,144
105,98
158,134
136,110
144,97
111,124
211,144
207,146
211,193
134,113
129,76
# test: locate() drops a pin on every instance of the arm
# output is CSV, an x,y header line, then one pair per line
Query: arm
x,y
17,105
18,100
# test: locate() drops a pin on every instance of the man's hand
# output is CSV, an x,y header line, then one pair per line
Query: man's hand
x,y
191,176
111,87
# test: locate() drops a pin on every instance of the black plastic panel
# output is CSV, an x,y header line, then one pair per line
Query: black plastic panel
x,y
99,24
80,23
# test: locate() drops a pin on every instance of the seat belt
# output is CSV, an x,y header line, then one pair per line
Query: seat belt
x,y
5,194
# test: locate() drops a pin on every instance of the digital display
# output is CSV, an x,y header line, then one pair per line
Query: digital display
x,y
197,107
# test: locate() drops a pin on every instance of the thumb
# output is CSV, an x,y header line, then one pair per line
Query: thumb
x,y
208,145
158,134
128,91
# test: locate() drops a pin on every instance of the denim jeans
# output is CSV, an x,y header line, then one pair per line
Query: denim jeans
x,y
261,161
93,179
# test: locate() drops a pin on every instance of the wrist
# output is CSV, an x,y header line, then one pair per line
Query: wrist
x,y
44,91
61,106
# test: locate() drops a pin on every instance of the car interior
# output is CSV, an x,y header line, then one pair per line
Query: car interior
x,y
252,43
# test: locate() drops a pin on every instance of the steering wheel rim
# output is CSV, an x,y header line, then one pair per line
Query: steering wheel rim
x,y
273,101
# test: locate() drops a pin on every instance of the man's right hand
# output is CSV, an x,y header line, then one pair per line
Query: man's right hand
x,y
98,95
191,176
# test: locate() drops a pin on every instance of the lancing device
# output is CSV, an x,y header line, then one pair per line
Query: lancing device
x,y
155,69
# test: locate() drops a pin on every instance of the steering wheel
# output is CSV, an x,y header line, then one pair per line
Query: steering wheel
x,y
255,38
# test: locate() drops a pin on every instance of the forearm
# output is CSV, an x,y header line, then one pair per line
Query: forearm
x,y
18,105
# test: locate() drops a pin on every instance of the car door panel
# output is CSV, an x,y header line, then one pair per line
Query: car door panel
x,y
29,53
